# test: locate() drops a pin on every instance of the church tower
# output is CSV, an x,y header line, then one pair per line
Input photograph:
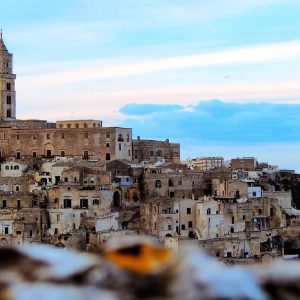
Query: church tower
x,y
7,84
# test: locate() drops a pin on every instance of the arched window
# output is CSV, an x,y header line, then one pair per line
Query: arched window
x,y
159,153
208,211
107,156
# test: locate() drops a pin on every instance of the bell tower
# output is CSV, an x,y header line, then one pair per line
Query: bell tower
x,y
7,84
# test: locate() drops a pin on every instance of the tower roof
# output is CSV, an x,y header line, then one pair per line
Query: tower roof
x,y
2,45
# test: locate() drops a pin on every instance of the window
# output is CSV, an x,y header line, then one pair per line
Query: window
x,y
6,167
33,154
135,154
107,156
18,156
61,126
67,203
30,233
107,135
159,153
48,136
169,227
8,113
48,153
260,211
77,125
94,125
85,125
8,100
182,226
18,232
6,230
188,210
253,194
85,135
157,183
57,218
128,137
120,146
62,153
180,182
190,224
244,217
69,125
8,86
4,203
18,136
16,167
96,202
66,179
151,153
208,211
232,220
232,229
129,153
84,203
107,145
62,135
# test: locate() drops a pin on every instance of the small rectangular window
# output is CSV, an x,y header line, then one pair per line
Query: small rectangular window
x,y
62,135
190,224
8,86
8,100
188,210
48,136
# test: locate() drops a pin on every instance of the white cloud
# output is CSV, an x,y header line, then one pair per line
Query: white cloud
x,y
244,55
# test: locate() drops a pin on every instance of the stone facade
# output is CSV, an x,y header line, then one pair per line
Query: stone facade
x,y
7,84
145,150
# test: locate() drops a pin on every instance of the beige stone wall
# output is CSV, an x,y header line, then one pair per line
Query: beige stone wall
x,y
90,143
79,124
144,150
246,163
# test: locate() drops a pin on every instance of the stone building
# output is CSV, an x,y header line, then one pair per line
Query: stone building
x,y
244,163
145,150
7,84
206,163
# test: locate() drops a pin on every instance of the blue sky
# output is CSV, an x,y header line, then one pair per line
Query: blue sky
x,y
145,64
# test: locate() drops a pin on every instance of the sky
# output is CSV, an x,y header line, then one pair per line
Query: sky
x,y
222,78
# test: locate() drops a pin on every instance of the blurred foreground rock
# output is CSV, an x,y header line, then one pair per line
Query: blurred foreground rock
x,y
138,269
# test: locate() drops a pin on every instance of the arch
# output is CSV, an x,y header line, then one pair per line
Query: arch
x,y
116,199
49,150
